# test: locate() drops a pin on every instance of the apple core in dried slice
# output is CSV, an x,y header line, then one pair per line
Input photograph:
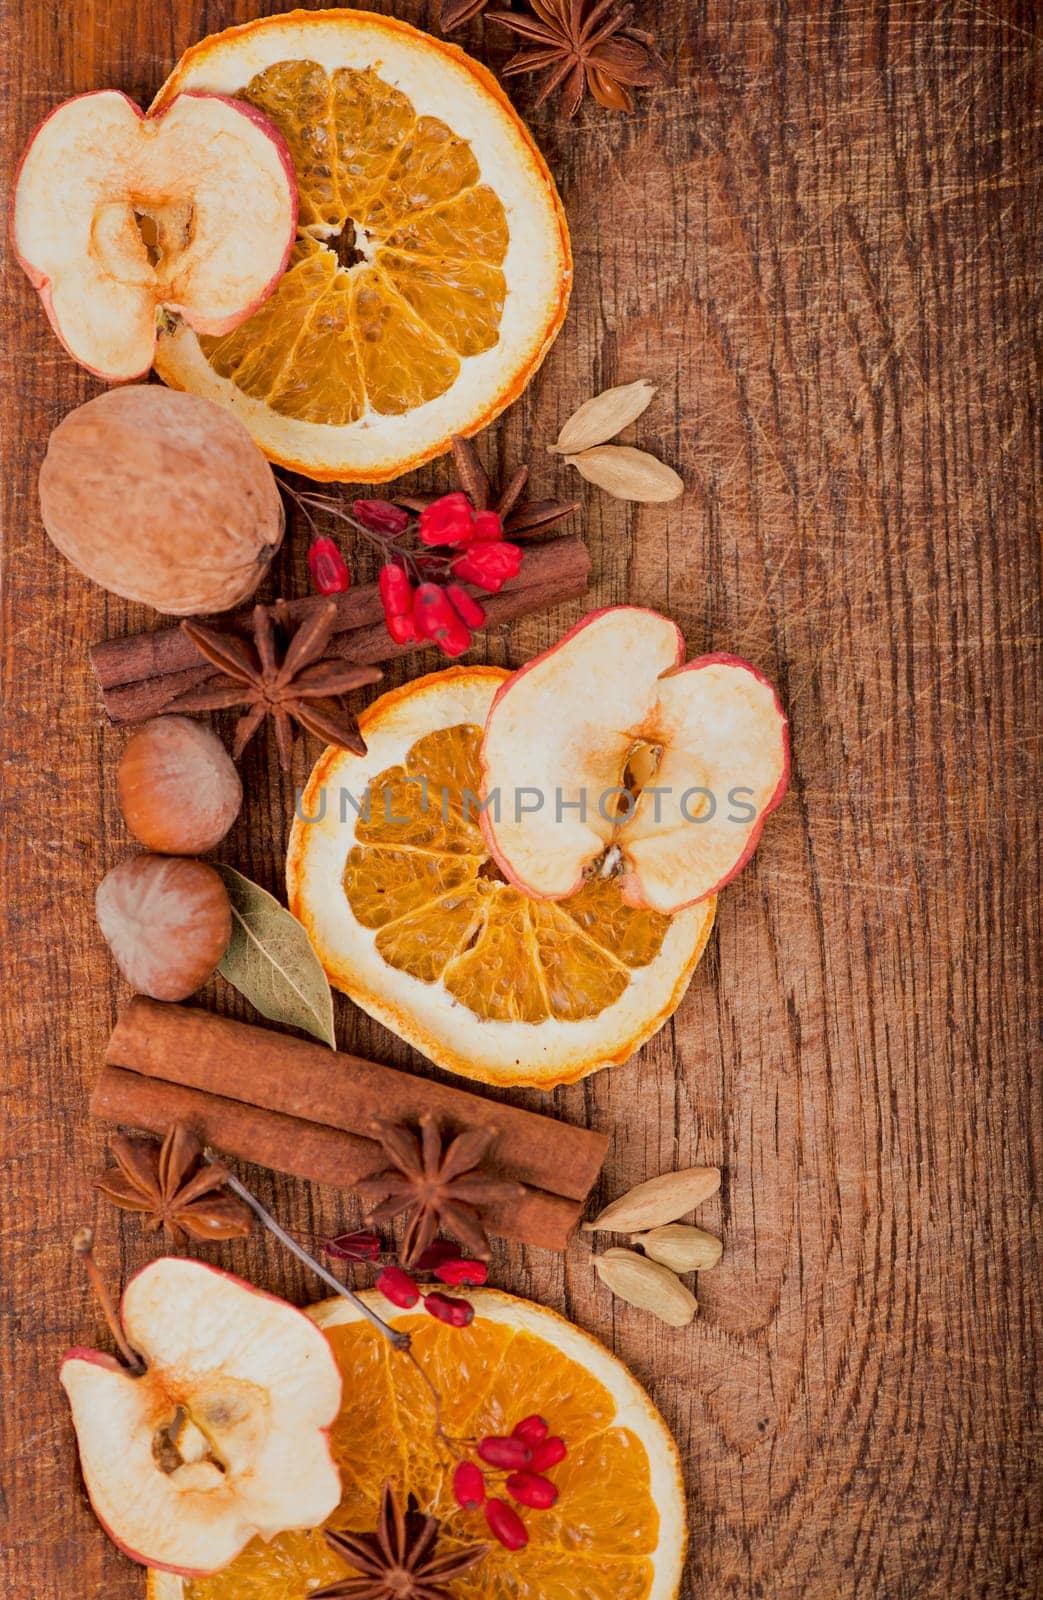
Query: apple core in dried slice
x,y
225,1435
568,732
117,215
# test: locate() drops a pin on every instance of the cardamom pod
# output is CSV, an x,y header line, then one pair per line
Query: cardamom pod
x,y
658,1200
601,418
680,1247
644,1283
628,474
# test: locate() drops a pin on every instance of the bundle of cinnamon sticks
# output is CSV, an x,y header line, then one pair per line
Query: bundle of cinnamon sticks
x,y
141,674
302,1109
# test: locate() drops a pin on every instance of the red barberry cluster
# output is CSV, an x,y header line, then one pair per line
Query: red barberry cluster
x,y
443,1260
525,1455
453,521
430,602
422,591
403,1289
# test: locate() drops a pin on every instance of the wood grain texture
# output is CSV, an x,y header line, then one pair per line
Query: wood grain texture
x,y
822,241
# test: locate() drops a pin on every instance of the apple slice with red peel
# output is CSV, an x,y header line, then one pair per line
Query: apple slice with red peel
x,y
117,215
609,752
226,1433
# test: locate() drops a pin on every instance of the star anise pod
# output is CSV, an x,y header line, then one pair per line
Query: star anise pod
x,y
173,1187
290,684
585,44
400,1560
435,1186
519,516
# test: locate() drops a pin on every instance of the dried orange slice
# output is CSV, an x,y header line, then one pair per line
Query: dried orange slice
x,y
618,1530
432,267
389,871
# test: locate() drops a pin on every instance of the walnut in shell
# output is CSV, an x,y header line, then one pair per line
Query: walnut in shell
x,y
161,497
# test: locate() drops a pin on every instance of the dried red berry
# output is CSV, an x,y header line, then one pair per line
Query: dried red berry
x,y
468,1486
488,565
506,1525
449,520
466,606
328,568
401,629
436,619
398,1287
529,1489
359,1246
396,593
456,1313
510,1454
487,525
532,1429
547,1454
465,1274
380,516
441,1250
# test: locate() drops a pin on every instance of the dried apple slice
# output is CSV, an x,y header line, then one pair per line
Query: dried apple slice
x,y
608,749
117,215
226,1433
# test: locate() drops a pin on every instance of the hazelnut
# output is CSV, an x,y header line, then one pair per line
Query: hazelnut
x,y
167,921
178,789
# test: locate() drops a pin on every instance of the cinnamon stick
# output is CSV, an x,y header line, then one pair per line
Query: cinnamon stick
x,y
300,1108
139,675
301,1148
201,1050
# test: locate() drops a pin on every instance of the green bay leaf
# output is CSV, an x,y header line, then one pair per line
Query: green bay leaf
x,y
271,961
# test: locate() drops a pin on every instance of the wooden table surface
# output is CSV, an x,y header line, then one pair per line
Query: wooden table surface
x,y
820,241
